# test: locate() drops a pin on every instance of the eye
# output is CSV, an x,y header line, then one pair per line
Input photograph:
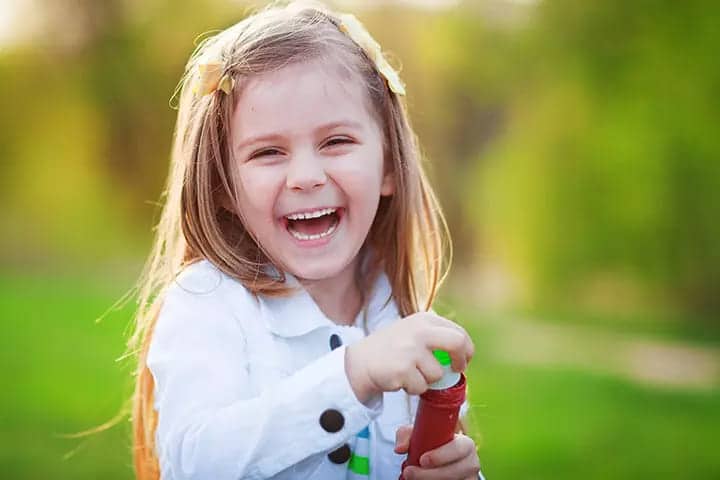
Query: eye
x,y
338,141
265,153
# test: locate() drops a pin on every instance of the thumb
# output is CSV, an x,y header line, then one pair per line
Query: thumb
x,y
402,438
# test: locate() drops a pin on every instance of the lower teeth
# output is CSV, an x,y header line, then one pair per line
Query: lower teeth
x,y
302,236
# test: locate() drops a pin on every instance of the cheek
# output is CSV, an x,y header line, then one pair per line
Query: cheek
x,y
360,173
362,188
258,187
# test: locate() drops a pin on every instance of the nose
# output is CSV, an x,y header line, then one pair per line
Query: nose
x,y
305,172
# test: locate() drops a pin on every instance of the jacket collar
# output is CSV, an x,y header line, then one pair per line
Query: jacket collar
x,y
298,314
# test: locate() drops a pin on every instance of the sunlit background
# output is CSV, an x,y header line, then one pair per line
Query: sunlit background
x,y
574,145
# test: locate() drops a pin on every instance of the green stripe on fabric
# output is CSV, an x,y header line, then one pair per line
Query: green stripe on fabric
x,y
359,465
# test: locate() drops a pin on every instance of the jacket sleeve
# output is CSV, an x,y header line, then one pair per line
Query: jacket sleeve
x,y
210,425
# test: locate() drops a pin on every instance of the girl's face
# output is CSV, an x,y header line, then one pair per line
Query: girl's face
x,y
308,158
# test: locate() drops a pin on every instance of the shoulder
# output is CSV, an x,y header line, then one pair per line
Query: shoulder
x,y
200,296
203,282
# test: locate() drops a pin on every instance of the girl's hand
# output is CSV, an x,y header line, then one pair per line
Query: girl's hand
x,y
456,460
400,355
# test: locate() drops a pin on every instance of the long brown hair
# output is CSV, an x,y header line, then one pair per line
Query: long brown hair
x,y
409,232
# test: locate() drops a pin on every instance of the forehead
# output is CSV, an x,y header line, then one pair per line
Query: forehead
x,y
296,99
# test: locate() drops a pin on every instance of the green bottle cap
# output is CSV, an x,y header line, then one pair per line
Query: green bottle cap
x,y
443,357
449,378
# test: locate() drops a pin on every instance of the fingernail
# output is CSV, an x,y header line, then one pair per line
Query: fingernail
x,y
425,461
407,474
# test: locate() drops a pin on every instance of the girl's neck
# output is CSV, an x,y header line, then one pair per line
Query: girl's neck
x,y
338,297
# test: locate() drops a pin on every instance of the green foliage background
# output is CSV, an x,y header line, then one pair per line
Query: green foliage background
x,y
575,150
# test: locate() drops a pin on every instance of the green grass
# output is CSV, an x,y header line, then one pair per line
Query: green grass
x,y
530,422
60,366
550,424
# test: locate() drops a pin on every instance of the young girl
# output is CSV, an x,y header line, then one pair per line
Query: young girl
x,y
283,329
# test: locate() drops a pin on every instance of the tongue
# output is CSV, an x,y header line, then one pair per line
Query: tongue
x,y
312,226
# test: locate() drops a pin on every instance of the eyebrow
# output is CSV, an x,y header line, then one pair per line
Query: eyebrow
x,y
273,136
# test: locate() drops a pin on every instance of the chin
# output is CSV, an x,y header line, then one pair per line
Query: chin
x,y
319,271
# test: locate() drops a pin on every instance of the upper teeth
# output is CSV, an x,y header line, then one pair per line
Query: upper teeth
x,y
315,214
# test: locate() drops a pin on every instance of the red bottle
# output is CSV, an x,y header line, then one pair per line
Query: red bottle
x,y
437,415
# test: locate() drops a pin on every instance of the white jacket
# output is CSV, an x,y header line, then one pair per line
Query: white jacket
x,y
242,382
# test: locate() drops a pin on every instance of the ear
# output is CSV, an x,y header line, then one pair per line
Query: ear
x,y
387,187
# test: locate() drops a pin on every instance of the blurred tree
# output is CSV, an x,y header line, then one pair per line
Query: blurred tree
x,y
572,141
608,164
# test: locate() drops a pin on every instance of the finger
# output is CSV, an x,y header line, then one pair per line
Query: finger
x,y
441,321
461,446
432,319
429,367
402,438
436,319
469,348
467,467
453,342
415,383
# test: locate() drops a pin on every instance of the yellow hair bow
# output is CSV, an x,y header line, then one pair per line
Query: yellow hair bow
x,y
210,78
355,30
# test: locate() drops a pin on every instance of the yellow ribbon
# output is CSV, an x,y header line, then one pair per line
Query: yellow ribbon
x,y
352,27
210,78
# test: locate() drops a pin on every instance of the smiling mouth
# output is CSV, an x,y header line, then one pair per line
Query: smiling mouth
x,y
313,225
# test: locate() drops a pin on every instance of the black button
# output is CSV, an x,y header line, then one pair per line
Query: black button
x,y
331,420
341,455
335,341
